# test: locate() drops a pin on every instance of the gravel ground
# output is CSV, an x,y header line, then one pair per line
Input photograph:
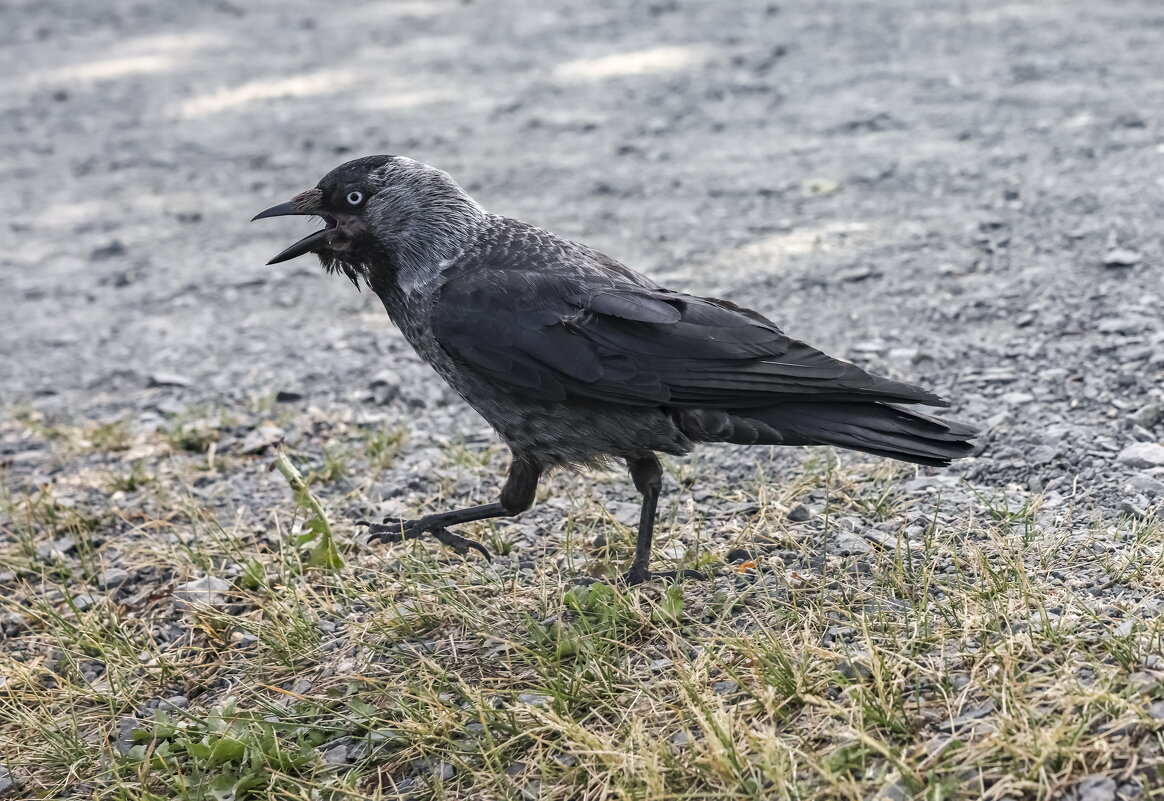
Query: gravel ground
x,y
962,195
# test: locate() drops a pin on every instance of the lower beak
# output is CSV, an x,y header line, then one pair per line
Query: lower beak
x,y
308,244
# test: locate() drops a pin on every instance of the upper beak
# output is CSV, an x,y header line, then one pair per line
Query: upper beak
x,y
281,210
305,203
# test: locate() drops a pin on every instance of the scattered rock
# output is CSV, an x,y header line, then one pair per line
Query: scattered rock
x,y
85,601
1145,484
175,702
336,754
57,549
125,740
1142,455
209,591
1094,788
110,250
1121,258
799,513
168,380
854,669
533,699
1132,510
625,513
858,274
1149,416
845,543
384,391
261,439
680,739
975,712
112,578
1017,398
288,396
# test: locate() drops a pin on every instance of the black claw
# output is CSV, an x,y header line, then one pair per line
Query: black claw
x,y
460,544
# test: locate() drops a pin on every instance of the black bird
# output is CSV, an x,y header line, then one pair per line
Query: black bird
x,y
575,359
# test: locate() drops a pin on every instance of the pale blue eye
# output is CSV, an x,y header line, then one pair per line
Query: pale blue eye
x,y
355,198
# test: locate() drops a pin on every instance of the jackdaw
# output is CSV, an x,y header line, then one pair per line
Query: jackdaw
x,y
575,359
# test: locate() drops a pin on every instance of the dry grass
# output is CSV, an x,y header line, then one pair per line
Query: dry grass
x,y
995,651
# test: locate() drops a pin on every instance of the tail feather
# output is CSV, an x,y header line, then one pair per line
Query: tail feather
x,y
877,428
881,429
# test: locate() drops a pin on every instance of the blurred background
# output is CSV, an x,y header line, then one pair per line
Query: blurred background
x,y
962,194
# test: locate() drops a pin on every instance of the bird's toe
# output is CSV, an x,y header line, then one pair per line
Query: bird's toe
x,y
460,544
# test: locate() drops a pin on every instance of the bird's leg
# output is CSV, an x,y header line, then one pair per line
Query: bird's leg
x,y
516,496
647,474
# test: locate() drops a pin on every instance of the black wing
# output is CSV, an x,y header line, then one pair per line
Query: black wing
x,y
558,334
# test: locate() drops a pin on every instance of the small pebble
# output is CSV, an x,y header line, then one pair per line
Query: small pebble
x,y
1094,788
799,513
209,591
1142,455
1121,258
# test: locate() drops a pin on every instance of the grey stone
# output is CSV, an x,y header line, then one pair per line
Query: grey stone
x,y
384,391
845,543
975,712
261,439
1149,416
288,396
1121,257
854,669
625,513
125,740
62,546
533,699
1016,398
1095,788
112,578
85,601
162,379
1145,484
799,513
1130,509
209,590
1142,455
336,755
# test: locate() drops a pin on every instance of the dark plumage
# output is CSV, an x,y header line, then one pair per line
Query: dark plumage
x,y
574,358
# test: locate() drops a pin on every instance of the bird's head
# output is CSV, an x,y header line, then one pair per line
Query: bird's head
x,y
382,213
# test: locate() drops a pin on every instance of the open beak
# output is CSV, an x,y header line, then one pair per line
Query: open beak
x,y
302,204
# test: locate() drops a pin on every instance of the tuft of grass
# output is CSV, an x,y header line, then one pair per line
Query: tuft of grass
x,y
384,445
980,649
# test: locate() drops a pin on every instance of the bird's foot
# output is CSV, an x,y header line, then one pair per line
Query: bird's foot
x,y
393,529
